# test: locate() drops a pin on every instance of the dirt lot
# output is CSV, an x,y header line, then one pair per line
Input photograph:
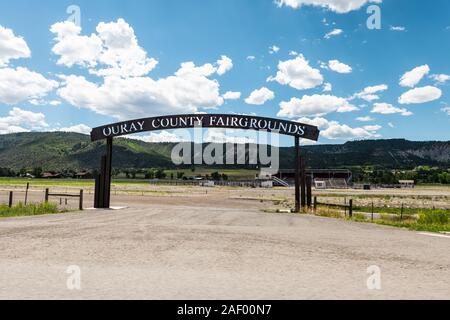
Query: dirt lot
x,y
195,243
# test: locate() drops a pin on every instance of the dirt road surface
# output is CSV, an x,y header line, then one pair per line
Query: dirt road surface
x,y
208,247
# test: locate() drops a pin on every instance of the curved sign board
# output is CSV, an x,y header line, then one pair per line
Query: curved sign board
x,y
283,127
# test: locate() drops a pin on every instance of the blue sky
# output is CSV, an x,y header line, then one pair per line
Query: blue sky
x,y
277,51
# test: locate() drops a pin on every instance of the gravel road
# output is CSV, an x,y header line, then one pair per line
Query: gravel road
x,y
215,248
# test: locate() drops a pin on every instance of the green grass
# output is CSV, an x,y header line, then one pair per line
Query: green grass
x,y
415,226
28,210
231,173
46,182
63,182
429,220
396,210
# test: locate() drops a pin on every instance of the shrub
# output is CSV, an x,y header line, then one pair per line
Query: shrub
x,y
359,217
440,217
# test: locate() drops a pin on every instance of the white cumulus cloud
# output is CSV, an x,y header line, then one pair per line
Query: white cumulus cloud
x,y
365,119
114,47
412,78
188,90
370,94
225,64
440,78
327,87
260,96
339,67
20,120
386,108
232,95
80,128
338,6
126,90
160,137
298,74
315,105
274,49
12,47
334,130
333,33
21,84
420,95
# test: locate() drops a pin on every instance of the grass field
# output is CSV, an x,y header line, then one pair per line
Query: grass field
x,y
22,210
396,211
47,182
413,219
231,173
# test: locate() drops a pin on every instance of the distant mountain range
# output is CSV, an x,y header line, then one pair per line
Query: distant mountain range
x,y
58,151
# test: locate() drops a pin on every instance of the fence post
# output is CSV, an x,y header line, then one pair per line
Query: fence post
x,y
350,208
373,210
345,207
47,191
26,193
10,204
401,215
81,200
315,204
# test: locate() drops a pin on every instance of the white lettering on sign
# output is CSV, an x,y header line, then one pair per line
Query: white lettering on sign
x,y
123,129
215,121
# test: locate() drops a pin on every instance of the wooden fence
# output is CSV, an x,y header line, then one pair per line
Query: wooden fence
x,y
348,207
47,196
80,196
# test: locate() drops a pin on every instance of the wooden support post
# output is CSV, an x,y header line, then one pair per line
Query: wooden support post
x,y
97,192
303,183
350,208
103,181
309,191
102,184
315,204
108,173
81,200
47,191
10,204
297,174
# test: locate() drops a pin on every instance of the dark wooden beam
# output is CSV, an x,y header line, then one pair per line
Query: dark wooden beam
x,y
297,175
303,182
108,173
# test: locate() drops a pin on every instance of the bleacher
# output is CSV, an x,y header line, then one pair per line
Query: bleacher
x,y
331,183
323,178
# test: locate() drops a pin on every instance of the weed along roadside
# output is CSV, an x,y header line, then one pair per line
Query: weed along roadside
x,y
22,210
415,219
21,203
422,220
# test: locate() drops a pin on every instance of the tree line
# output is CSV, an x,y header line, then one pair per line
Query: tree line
x,y
421,175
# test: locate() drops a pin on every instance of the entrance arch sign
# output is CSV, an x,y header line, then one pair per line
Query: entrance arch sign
x,y
283,127
187,121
